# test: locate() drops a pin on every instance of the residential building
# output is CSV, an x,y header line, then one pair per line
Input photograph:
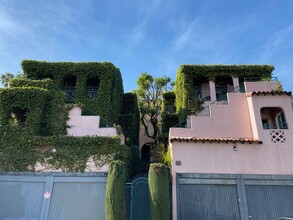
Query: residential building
x,y
233,159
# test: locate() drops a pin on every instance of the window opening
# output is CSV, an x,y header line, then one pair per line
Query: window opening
x,y
92,87
69,87
201,89
19,116
273,118
224,84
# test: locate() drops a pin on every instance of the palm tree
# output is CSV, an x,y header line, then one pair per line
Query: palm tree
x,y
5,78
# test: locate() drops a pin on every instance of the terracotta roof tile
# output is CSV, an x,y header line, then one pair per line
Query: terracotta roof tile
x,y
269,93
217,140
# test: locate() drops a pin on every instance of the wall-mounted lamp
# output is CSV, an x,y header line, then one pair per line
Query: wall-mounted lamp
x,y
235,147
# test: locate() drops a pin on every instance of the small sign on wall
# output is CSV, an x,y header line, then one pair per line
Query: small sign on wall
x,y
47,195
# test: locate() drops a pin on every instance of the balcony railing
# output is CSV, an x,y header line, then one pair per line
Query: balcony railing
x,y
280,125
259,79
202,94
91,92
70,91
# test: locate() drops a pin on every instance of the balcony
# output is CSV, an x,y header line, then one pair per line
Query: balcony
x,y
91,92
70,91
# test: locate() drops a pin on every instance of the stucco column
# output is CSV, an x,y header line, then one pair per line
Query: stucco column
x,y
212,91
235,83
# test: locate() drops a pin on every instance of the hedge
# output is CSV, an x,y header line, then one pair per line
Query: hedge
x,y
115,191
159,191
108,103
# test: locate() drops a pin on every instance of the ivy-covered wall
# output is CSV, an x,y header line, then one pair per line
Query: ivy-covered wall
x,y
54,113
186,75
24,107
169,116
20,150
129,119
108,103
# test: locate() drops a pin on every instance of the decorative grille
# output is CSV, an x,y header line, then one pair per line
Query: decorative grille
x,y
278,136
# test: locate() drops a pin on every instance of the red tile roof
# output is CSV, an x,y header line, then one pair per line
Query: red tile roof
x,y
269,93
217,140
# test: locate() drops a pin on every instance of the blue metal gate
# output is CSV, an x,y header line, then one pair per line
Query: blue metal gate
x,y
138,199
45,196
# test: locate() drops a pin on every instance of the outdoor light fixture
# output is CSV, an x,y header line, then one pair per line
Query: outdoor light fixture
x,y
53,150
235,147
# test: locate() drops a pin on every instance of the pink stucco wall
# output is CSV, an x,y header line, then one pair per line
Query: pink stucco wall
x,y
230,121
86,125
241,118
260,86
83,126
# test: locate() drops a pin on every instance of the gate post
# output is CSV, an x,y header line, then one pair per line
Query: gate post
x,y
47,201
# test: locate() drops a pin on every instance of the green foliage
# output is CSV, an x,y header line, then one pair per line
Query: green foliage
x,y
20,150
168,158
135,162
129,119
149,92
169,117
55,111
5,79
187,74
115,191
159,191
23,106
17,149
168,121
211,71
110,94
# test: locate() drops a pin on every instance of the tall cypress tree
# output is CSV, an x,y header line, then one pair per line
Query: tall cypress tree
x,y
159,191
115,192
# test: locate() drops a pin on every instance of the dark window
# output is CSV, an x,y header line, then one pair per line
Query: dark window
x,y
224,84
92,87
19,116
69,87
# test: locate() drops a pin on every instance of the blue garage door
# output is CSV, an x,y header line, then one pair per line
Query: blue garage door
x,y
53,196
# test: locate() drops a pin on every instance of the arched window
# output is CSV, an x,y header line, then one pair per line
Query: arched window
x,y
69,85
273,118
146,153
92,87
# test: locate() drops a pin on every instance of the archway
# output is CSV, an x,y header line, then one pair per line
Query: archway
x,y
146,156
224,84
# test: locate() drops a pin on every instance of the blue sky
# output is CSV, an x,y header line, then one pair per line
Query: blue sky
x,y
149,36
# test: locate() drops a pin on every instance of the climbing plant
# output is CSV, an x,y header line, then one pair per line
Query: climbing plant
x,y
54,113
187,74
21,150
108,102
129,119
